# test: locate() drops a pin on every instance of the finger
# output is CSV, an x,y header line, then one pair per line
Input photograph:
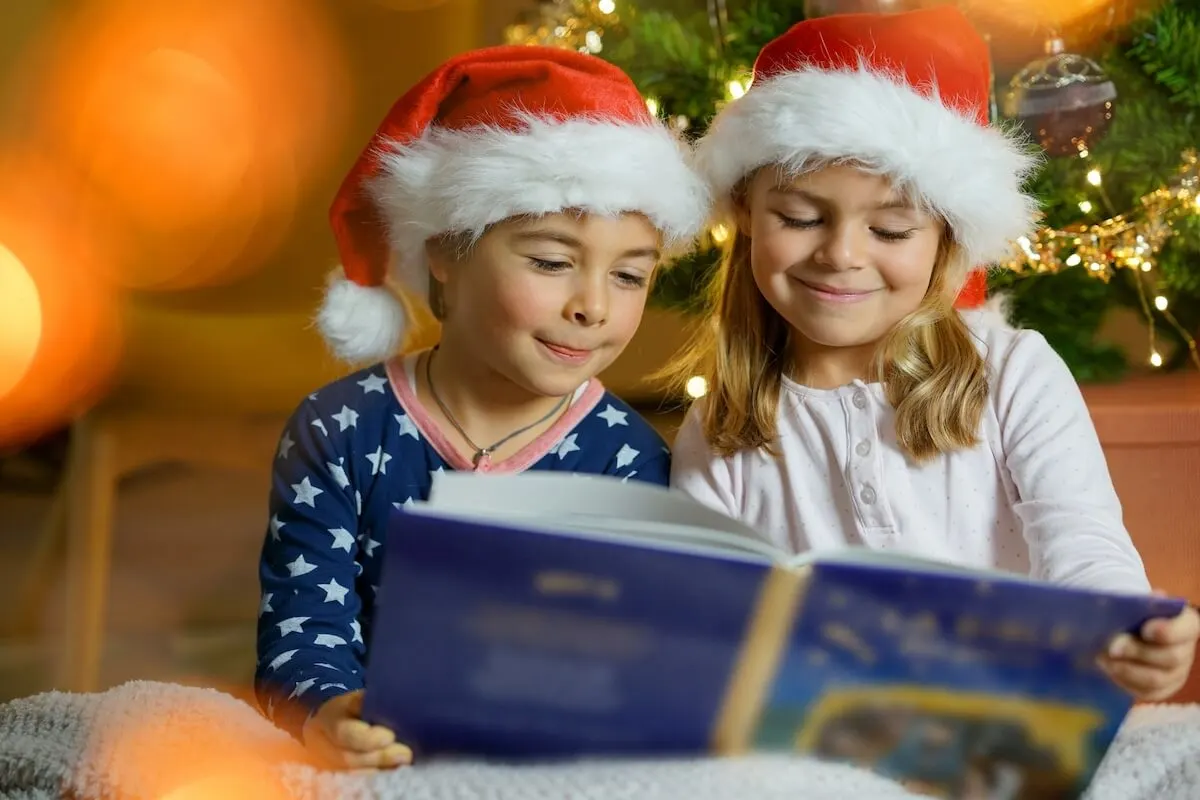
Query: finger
x,y
1143,681
354,734
394,755
1181,629
1153,655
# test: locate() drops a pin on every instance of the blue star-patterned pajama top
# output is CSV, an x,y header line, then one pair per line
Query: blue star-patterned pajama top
x,y
351,453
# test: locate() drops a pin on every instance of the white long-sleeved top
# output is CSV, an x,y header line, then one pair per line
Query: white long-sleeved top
x,y
1034,496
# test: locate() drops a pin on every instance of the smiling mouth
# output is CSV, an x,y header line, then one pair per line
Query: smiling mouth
x,y
834,294
564,352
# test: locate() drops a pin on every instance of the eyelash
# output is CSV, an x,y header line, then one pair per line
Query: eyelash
x,y
806,224
627,279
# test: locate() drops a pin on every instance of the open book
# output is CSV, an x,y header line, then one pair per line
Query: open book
x,y
551,614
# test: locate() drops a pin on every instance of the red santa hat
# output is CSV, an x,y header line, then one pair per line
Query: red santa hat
x,y
492,134
906,95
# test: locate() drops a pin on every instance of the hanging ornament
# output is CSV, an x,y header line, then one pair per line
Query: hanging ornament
x,y
824,8
1064,100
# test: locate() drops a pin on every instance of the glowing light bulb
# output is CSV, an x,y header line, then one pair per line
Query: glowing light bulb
x,y
696,387
736,89
1074,260
1093,177
719,234
652,104
1086,207
1160,303
1156,360
606,6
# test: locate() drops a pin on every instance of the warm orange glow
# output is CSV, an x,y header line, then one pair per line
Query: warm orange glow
x,y
198,123
236,784
61,254
20,320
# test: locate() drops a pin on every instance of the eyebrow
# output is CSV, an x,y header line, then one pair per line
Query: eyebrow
x,y
571,241
896,203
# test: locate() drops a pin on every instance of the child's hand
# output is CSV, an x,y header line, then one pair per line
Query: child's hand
x,y
1155,665
340,738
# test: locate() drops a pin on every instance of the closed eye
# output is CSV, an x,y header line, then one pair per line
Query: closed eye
x,y
631,280
792,222
893,236
549,266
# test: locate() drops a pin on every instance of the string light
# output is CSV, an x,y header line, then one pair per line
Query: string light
x,y
1086,206
606,6
1093,177
696,387
1156,359
1160,303
719,234
652,105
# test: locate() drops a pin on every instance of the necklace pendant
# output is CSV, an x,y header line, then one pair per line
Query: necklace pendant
x,y
482,459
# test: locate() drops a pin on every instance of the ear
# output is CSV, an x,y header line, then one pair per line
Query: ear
x,y
438,254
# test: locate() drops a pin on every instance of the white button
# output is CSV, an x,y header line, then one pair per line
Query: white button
x,y
860,399
863,447
867,495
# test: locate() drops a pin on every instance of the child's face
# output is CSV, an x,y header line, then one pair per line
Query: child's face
x,y
552,301
838,253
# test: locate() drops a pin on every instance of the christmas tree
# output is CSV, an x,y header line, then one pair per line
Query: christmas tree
x,y
1119,126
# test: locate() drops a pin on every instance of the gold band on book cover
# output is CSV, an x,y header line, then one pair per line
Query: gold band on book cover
x,y
766,637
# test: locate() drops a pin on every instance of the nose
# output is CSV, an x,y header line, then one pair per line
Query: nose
x,y
588,305
843,246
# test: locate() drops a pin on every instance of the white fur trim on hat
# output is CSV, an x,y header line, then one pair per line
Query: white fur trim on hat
x,y
465,180
361,323
969,174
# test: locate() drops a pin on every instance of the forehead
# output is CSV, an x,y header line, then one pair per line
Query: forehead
x,y
844,180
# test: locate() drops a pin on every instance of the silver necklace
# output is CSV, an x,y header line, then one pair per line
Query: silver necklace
x,y
481,453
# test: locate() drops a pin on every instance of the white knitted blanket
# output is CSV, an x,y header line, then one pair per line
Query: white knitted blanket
x,y
168,742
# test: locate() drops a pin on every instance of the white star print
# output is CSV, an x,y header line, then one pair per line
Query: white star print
x,y
409,503
339,473
630,475
612,416
357,629
306,493
379,460
281,659
370,547
285,445
334,591
626,455
407,427
342,539
292,625
302,687
433,473
299,567
327,666
328,640
346,418
373,383
358,503
276,526
265,605
341,686
312,396
320,425
566,446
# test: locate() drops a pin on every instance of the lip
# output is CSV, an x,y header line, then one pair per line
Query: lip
x,y
836,294
561,352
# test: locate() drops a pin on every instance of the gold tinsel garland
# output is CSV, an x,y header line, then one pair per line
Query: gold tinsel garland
x,y
1130,240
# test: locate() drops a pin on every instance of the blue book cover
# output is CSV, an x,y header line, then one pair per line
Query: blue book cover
x,y
962,686
592,626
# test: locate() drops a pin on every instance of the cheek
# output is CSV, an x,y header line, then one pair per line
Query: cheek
x,y
524,301
908,272
625,310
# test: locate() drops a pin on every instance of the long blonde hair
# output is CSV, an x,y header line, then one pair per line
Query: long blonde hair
x,y
931,371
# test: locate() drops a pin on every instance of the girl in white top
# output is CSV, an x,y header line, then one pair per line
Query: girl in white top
x,y
849,401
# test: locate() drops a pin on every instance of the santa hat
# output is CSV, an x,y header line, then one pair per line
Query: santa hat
x,y
492,134
904,94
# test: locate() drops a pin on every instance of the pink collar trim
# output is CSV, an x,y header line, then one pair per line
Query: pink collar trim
x,y
519,461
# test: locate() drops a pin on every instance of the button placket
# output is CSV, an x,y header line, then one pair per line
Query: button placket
x,y
862,473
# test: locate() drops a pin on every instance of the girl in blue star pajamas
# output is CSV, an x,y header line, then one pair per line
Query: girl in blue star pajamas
x,y
527,194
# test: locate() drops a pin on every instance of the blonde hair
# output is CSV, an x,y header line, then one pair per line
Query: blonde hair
x,y
931,371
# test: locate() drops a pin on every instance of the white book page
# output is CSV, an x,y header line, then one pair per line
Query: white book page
x,y
593,503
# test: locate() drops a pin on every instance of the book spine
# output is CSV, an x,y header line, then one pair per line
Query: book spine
x,y
775,612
